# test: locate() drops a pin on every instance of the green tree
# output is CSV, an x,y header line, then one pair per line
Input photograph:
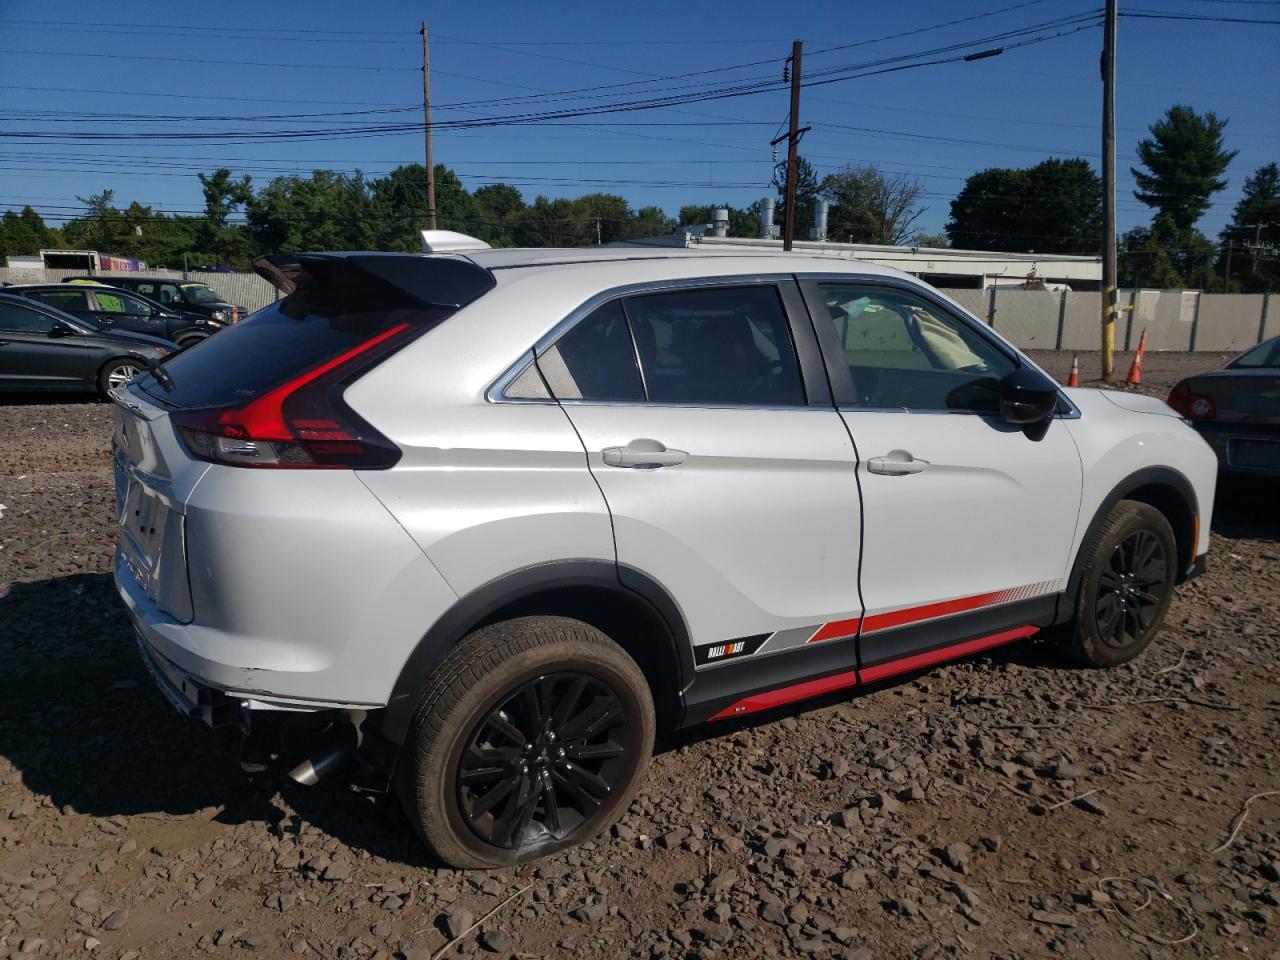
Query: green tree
x,y
1256,219
101,227
219,241
1053,207
1184,160
498,207
807,188
870,206
930,240
23,233
326,211
1166,256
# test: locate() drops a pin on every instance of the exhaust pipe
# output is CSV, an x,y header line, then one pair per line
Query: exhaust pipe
x,y
341,742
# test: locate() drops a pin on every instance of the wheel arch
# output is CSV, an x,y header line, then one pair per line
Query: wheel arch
x,y
632,609
1163,488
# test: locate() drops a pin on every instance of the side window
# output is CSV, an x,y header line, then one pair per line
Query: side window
x,y
905,353
146,289
596,360
716,345
169,293
20,319
119,303
64,299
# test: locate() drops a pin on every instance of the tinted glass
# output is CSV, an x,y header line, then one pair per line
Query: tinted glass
x,y
1265,354
906,353
716,345
119,303
19,319
169,293
596,360
279,342
146,289
64,299
199,293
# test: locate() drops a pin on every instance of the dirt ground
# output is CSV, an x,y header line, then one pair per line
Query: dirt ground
x,y
1008,805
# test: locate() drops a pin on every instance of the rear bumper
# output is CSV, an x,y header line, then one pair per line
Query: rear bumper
x,y
1228,443
186,694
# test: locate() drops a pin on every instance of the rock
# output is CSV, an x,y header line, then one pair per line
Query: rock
x,y
115,919
496,941
956,855
591,913
337,871
1053,919
456,922
722,881
1091,805
87,900
852,879
1069,771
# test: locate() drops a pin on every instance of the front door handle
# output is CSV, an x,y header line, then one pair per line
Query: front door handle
x,y
897,463
643,454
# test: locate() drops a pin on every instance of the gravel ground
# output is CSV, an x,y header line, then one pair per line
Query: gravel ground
x,y
1007,806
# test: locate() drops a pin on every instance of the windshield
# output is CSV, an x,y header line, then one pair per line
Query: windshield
x,y
199,293
1265,354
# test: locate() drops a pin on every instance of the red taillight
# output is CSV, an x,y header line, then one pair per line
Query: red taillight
x,y
1193,406
299,424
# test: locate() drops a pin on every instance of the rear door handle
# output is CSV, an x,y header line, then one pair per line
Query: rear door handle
x,y
4,343
643,454
898,463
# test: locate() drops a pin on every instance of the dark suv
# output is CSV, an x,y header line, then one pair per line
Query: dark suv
x,y
196,301
112,308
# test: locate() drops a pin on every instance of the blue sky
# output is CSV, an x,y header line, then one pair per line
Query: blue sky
x,y
938,123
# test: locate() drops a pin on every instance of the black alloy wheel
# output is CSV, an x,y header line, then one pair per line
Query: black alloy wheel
x,y
1131,589
543,760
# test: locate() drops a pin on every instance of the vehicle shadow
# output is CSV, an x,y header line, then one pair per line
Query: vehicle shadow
x,y
36,398
85,726
1246,508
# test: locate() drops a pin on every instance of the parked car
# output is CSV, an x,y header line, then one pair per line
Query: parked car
x,y
496,514
112,308
203,306
1236,408
42,348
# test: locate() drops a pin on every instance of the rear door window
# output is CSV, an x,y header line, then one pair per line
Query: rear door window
x,y
16,318
68,300
716,345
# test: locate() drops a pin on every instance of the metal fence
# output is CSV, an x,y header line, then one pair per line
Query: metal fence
x,y
1033,319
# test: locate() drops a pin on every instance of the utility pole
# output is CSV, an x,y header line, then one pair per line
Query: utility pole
x,y
426,117
793,138
1109,191
1226,281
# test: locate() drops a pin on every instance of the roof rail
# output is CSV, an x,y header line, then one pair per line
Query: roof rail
x,y
448,241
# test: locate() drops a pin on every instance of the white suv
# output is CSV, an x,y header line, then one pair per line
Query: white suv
x,y
488,518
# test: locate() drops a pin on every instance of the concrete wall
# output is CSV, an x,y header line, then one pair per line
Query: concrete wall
x,y
1173,319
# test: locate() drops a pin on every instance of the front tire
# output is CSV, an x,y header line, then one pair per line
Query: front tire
x,y
1127,583
117,373
531,736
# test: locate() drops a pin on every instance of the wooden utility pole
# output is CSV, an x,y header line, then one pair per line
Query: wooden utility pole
x,y
1109,191
1226,281
793,138
426,117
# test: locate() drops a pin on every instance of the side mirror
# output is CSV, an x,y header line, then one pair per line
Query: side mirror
x,y
1028,399
60,329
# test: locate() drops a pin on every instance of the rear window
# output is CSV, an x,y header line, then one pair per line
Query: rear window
x,y
307,328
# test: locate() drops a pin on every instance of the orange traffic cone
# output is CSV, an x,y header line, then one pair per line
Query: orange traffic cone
x,y
1074,379
1135,368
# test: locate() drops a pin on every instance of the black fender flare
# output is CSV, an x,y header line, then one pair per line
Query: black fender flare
x,y
482,603
1146,477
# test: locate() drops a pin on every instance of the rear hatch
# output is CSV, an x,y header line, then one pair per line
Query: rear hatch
x,y
267,394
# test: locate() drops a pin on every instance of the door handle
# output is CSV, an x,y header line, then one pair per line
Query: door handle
x,y
643,454
4,343
898,463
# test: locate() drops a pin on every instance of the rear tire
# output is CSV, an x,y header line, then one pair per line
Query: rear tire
x,y
531,736
1129,573
117,373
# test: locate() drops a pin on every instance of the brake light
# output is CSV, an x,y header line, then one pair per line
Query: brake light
x,y
300,424
1193,406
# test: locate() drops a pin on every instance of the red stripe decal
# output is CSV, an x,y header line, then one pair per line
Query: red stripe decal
x,y
798,691
920,660
835,629
896,618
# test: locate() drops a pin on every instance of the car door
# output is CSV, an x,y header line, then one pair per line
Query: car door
x,y
33,356
69,298
727,472
968,522
120,311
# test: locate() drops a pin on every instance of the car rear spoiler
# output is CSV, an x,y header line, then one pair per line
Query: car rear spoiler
x,y
430,281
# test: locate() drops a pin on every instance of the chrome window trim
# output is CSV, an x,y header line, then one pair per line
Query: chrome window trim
x,y
495,392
